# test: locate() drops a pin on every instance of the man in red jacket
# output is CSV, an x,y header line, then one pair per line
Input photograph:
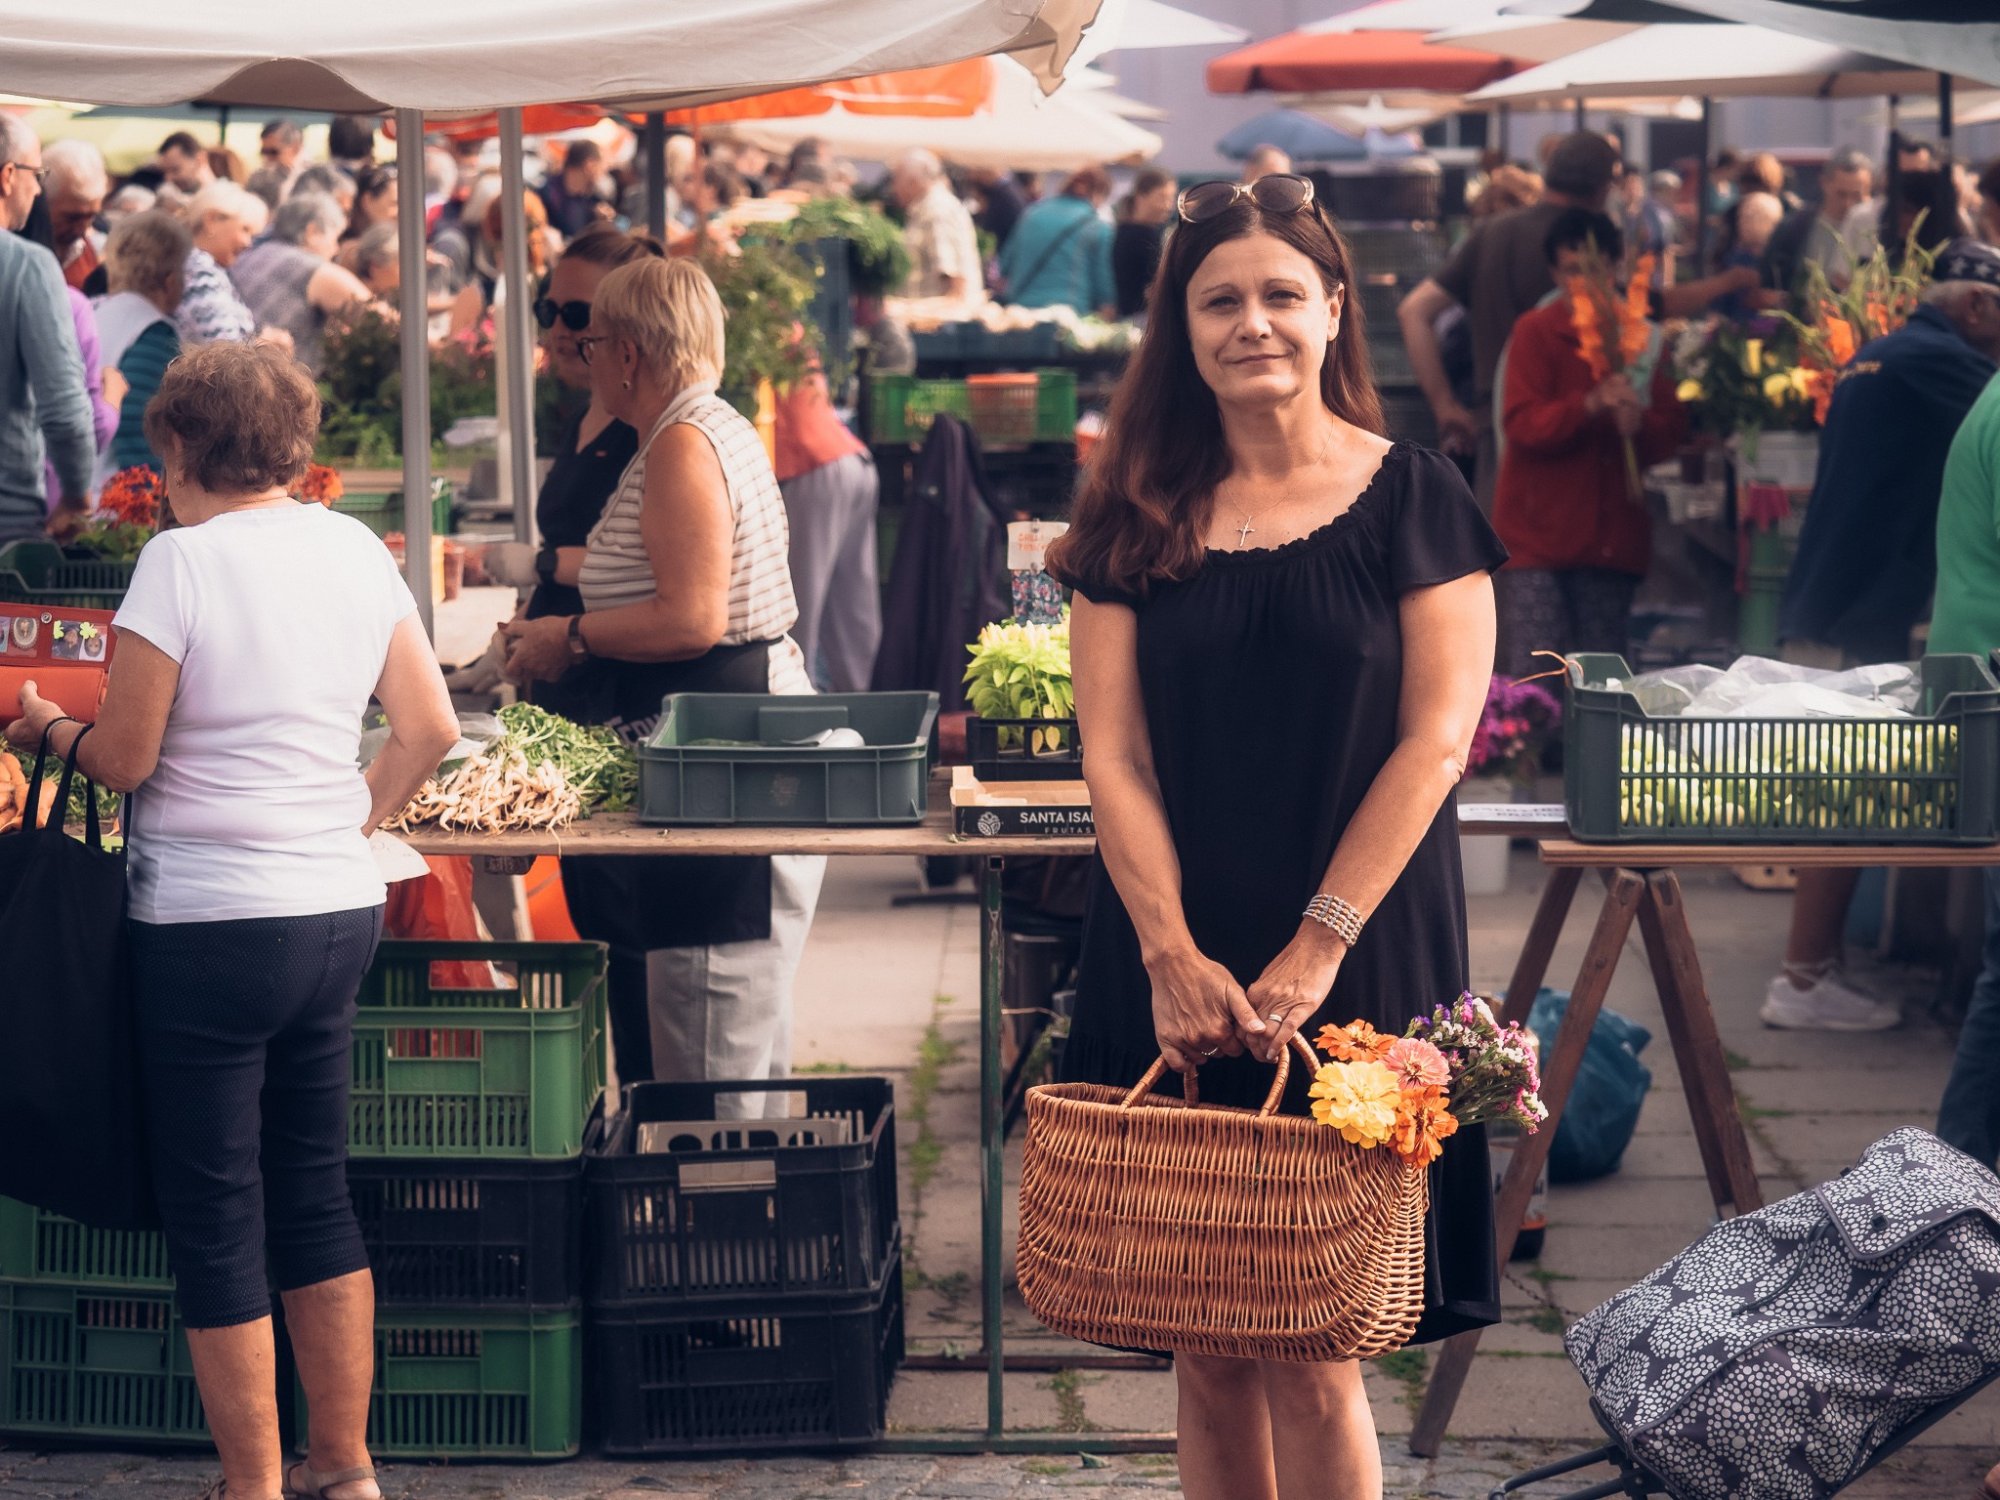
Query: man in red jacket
x,y
1579,539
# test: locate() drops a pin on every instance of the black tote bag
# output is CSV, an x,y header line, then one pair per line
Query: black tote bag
x,y
71,1136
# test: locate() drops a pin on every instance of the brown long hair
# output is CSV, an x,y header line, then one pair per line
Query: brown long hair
x,y
1149,490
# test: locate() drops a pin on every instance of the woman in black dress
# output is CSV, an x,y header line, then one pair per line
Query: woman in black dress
x,y
1282,639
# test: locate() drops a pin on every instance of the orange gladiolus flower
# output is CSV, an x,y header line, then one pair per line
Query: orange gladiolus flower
x,y
1632,330
1840,340
1583,315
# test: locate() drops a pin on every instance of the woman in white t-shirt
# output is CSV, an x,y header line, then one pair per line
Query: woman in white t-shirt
x,y
249,648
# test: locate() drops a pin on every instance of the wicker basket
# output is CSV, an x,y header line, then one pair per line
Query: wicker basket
x,y
1149,1222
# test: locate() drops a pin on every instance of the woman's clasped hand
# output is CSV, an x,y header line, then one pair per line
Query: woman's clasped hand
x,y
1199,1010
537,650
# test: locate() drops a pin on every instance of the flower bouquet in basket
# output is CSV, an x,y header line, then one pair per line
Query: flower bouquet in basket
x,y
1150,1222
1457,1066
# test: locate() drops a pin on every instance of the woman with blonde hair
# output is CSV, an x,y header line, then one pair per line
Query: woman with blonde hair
x,y
686,588
146,262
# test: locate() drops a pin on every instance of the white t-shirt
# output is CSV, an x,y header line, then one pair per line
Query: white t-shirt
x,y
280,620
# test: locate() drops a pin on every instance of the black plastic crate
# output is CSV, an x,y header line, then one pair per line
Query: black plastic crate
x,y
1024,749
744,1206
471,1233
805,1371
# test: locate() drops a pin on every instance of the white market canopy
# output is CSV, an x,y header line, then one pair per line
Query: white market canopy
x,y
1709,59
1018,130
471,56
468,56
1964,47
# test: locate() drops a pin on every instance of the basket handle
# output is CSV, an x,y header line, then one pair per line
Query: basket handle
x,y
1191,1090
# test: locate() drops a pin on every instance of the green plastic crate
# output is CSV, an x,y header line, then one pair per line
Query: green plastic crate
x,y
36,1245
382,511
469,1384
445,1071
35,572
902,407
1631,778
732,758
80,1362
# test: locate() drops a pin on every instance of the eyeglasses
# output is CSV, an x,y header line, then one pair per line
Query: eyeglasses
x,y
271,153
1279,193
40,174
575,316
589,341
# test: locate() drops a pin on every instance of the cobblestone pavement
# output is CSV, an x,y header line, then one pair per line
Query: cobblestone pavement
x,y
1463,1472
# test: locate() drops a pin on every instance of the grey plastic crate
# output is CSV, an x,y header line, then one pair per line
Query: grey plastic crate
x,y
738,758
1632,778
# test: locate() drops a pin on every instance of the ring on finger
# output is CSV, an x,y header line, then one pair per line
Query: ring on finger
x,y
1276,1018
1210,1052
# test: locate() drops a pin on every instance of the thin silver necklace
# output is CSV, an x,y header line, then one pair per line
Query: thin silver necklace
x,y
1247,530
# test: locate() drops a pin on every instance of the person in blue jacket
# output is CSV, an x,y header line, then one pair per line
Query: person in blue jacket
x,y
1060,251
1867,563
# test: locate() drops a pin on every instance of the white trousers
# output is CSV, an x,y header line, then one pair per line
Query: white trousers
x,y
831,512
725,1011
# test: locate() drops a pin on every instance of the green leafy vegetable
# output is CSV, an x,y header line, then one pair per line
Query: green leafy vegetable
x,y
601,768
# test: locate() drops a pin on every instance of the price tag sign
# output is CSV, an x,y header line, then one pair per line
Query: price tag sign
x,y
1028,541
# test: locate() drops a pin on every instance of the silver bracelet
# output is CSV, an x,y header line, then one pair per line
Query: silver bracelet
x,y
1337,915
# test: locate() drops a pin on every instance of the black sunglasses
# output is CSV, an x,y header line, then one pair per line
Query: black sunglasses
x,y
575,315
1279,193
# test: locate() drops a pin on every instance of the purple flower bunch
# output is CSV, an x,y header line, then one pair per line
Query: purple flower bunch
x,y
1493,1071
1516,723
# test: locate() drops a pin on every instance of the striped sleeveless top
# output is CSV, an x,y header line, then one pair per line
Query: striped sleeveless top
x,y
762,607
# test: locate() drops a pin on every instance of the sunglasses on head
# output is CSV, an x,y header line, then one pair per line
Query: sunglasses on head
x,y
1279,193
575,315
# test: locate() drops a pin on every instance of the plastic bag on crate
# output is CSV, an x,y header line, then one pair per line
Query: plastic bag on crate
x,y
1757,687
439,907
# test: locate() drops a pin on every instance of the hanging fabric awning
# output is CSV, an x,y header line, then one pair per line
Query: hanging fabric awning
x,y
1303,62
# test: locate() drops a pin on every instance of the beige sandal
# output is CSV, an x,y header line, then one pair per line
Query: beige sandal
x,y
301,1483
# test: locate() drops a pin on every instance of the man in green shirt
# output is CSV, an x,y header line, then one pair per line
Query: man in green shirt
x,y
1967,618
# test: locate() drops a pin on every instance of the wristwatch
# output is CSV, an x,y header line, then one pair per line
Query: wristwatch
x,y
545,564
579,649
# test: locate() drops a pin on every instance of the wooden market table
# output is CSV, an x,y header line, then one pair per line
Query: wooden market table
x,y
622,834
1640,883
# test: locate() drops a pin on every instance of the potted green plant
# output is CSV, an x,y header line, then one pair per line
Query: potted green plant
x,y
1018,684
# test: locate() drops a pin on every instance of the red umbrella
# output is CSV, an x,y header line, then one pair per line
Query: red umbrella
x,y
1305,62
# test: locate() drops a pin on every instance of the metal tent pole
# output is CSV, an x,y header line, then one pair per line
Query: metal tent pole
x,y
1582,113
511,315
1944,113
416,365
655,142
1701,176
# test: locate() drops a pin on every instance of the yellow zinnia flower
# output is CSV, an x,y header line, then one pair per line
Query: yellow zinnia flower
x,y
1358,1099
1777,387
1688,390
1753,356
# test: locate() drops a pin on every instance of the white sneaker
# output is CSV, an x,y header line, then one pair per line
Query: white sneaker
x,y
1829,1005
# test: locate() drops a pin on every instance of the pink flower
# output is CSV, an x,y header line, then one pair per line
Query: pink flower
x,y
1417,1064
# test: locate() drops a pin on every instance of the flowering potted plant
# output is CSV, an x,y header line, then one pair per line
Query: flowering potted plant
x,y
1457,1066
1514,728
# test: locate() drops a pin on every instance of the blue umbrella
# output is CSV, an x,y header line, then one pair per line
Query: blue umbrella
x,y
1296,133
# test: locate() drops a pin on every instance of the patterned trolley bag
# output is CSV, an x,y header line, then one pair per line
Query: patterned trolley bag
x,y
1787,1352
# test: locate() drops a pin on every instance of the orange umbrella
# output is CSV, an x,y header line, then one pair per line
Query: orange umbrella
x,y
1304,62
536,119
953,91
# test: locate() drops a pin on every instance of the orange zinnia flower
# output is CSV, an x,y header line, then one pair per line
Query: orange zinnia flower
x,y
1423,1124
1357,1041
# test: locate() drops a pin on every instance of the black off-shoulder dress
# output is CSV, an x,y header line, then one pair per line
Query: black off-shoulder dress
x,y
1271,681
